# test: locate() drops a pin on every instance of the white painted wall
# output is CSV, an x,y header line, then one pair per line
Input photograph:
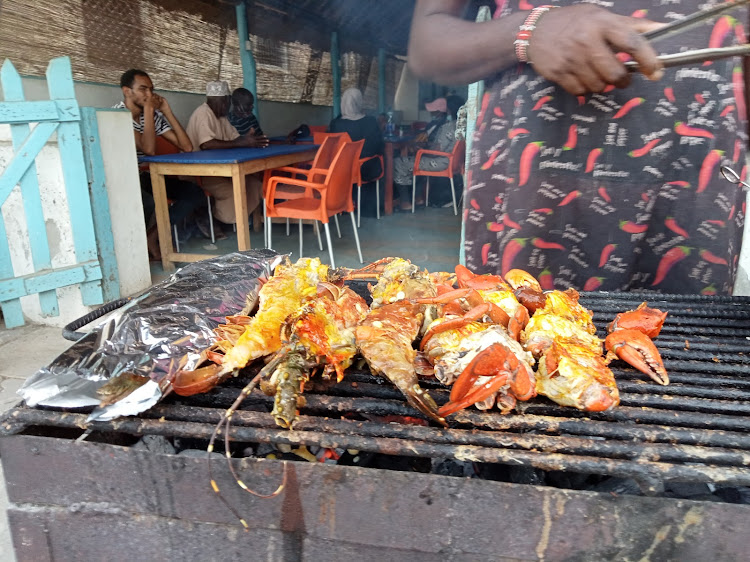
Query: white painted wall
x,y
126,211
276,118
124,193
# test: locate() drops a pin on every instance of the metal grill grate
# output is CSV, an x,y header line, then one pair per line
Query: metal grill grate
x,y
697,429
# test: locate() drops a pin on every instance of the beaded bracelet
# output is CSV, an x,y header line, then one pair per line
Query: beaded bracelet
x,y
521,43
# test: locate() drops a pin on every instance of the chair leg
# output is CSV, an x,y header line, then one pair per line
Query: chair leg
x,y
176,238
287,227
317,231
330,246
427,193
210,220
356,238
377,200
300,237
359,203
336,220
453,192
268,230
413,192
265,222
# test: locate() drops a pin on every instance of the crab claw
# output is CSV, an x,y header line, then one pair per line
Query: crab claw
x,y
501,367
187,383
636,348
644,319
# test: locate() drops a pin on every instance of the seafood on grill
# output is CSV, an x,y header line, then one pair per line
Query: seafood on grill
x,y
630,339
571,370
473,344
386,336
484,365
320,335
244,339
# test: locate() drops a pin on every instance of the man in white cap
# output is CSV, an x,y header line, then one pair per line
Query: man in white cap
x,y
210,129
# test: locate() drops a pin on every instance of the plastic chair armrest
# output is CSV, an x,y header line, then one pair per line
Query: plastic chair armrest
x,y
424,151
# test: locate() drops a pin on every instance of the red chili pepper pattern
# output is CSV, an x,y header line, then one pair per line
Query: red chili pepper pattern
x,y
618,190
668,260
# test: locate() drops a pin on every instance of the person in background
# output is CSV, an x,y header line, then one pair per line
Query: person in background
x,y
593,176
241,113
360,126
210,129
152,117
440,135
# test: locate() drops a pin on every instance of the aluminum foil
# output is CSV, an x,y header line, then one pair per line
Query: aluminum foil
x,y
141,343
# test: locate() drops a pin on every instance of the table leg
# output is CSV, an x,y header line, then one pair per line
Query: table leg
x,y
388,207
163,225
240,208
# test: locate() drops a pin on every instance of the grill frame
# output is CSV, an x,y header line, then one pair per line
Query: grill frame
x,y
163,503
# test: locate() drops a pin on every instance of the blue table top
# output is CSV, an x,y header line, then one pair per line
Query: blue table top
x,y
229,155
284,139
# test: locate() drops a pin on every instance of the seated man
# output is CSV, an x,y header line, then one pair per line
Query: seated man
x,y
152,117
210,129
241,112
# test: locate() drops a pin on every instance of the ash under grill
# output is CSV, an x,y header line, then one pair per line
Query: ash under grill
x,y
696,430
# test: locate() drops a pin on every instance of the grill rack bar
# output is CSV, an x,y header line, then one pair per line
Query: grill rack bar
x,y
649,475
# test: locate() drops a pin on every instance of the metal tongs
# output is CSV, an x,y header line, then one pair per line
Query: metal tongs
x,y
698,55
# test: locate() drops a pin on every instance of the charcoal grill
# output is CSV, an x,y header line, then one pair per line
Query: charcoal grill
x,y
693,431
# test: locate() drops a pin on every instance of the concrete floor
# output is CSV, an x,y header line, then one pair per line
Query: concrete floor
x,y
429,238
23,351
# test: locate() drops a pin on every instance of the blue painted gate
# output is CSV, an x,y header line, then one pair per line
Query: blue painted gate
x,y
95,270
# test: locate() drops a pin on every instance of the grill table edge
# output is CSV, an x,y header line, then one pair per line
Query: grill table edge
x,y
65,496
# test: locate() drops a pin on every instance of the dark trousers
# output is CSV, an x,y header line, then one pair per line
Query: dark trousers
x,y
186,197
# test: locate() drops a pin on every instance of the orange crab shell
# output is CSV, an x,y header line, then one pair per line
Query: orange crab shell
x,y
646,320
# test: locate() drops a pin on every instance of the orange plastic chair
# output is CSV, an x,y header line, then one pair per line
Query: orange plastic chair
x,y
323,199
329,147
318,128
455,166
318,138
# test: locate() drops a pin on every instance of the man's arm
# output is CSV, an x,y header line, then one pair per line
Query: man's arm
x,y
248,140
146,141
574,46
177,136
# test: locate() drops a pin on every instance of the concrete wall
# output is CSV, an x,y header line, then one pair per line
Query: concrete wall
x,y
276,118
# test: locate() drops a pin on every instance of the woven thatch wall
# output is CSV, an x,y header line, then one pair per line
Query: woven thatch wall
x,y
182,44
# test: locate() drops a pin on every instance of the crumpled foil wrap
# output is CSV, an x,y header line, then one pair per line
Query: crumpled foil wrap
x,y
170,323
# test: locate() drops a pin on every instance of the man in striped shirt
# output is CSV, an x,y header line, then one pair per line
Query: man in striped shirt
x,y
153,117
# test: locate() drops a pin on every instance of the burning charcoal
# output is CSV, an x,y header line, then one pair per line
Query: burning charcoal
x,y
687,490
734,495
514,474
617,486
155,444
199,453
452,467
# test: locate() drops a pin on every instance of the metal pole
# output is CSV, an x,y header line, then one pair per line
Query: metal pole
x,y
246,55
336,74
381,80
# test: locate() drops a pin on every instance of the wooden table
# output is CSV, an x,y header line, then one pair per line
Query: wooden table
x,y
233,163
390,142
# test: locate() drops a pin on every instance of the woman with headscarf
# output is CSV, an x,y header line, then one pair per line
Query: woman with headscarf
x,y
360,126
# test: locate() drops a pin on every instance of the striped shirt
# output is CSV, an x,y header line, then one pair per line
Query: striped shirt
x,y
161,125
244,124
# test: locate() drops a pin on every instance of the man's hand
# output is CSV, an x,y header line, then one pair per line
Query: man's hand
x,y
576,47
251,140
